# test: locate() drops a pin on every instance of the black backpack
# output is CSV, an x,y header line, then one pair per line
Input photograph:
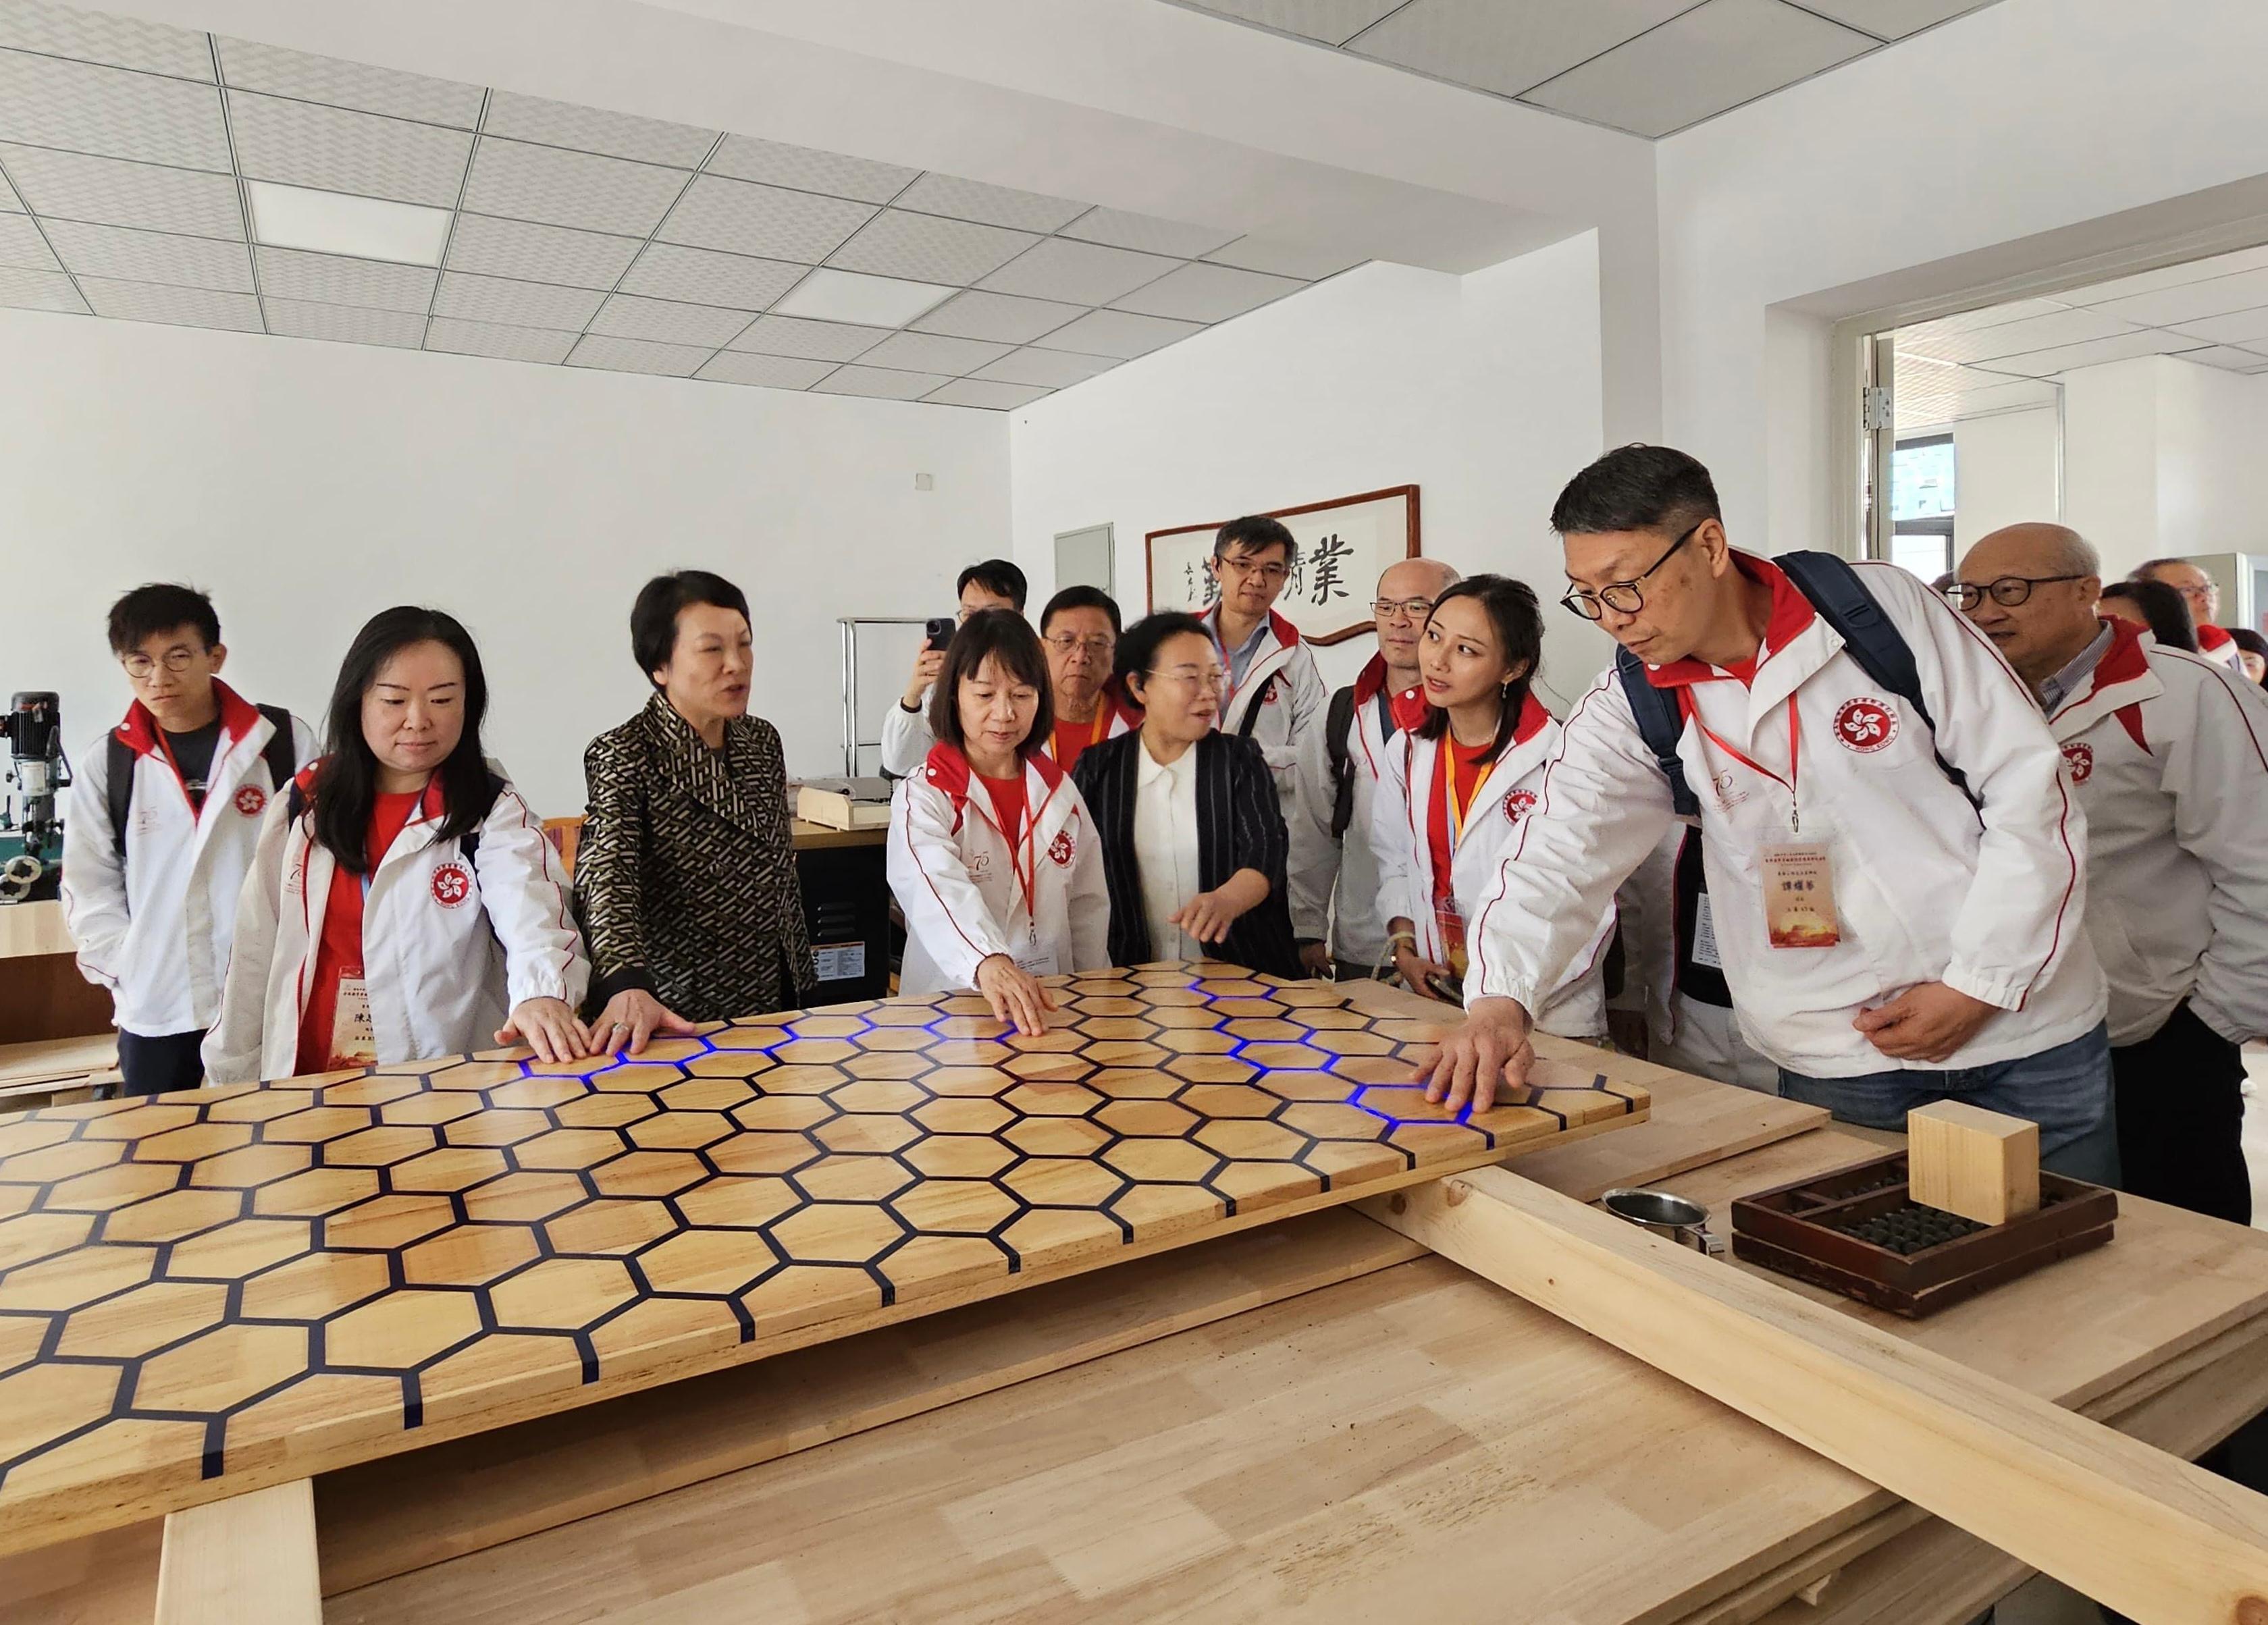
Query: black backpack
x,y
1336,720
281,756
1868,637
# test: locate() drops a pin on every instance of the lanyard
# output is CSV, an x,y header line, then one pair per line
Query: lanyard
x,y
1102,714
1023,852
1794,745
1459,800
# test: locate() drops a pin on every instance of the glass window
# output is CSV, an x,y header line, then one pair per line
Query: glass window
x,y
1922,503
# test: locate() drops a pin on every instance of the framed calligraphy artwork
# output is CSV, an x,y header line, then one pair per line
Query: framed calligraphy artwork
x,y
1344,546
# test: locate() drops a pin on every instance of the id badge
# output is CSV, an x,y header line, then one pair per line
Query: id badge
x,y
1799,895
1705,953
354,1042
1450,920
1035,960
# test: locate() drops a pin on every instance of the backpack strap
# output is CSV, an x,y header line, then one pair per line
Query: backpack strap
x,y
1337,720
1252,711
1870,638
120,760
1661,724
282,753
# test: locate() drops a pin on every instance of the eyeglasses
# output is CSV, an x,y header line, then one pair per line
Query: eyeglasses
x,y
2007,591
1623,596
1272,570
1192,677
1403,609
141,668
1094,643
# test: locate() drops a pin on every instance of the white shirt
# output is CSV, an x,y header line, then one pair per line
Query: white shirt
x,y
1166,848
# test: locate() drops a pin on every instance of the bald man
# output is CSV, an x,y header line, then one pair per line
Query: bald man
x,y
1333,880
2168,754
2201,594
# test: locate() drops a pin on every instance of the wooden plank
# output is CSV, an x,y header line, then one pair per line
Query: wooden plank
x,y
1982,1165
236,1287
246,1561
405,1512
47,1059
109,1578
44,997
30,929
2138,1530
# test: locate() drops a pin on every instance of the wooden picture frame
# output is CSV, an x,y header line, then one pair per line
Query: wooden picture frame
x,y
1175,555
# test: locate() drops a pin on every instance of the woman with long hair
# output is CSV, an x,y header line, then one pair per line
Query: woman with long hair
x,y
1451,799
992,853
403,904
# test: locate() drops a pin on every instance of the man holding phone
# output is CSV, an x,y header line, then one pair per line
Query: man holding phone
x,y
995,583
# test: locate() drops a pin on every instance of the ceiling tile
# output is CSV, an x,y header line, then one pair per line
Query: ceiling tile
x,y
515,304
879,381
1207,293
627,316
71,186
152,257
1991,316
1118,332
806,169
771,223
814,341
40,290
1892,19
2236,328
972,200
48,102
2094,353
344,324
1000,316
768,371
334,279
1717,55
1282,259
188,307
249,66
1332,21
2226,357
302,144
2167,276
1055,367
593,130
2215,296
992,397
1491,46
22,247
636,356
506,343
2012,338
704,277
521,181
98,36
1117,228
1078,273
929,248
930,352
553,254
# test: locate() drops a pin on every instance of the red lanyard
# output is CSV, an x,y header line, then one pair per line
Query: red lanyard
x,y
1795,750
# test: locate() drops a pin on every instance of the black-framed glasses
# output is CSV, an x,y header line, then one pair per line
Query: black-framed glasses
x,y
1401,609
1623,596
2005,591
141,667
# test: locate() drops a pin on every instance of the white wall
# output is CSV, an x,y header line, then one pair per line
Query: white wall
x,y
1484,391
2162,456
2004,473
308,485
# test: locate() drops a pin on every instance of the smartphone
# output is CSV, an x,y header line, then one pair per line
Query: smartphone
x,y
1446,986
941,628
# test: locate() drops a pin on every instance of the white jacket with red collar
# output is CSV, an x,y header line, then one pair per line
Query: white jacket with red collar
x,y
968,893
2168,755
1282,695
155,929
1334,880
449,947
2216,645
1924,889
1400,841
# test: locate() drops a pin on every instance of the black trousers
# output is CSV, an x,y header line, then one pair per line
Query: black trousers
x,y
159,1065
2180,1119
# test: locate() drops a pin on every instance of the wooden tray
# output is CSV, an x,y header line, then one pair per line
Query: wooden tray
x,y
1798,1230
266,1281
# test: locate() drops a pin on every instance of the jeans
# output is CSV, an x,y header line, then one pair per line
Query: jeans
x,y
2065,1089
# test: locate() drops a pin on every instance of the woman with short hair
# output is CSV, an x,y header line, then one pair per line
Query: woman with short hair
x,y
1193,840
685,871
992,853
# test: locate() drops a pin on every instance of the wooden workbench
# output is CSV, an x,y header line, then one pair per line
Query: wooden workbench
x,y
42,994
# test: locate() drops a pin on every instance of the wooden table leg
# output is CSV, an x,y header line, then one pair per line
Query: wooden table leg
x,y
246,1561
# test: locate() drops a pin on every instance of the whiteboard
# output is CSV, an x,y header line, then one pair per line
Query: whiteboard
x,y
1344,547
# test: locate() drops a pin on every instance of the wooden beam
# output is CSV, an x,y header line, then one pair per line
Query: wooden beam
x,y
2126,1524
246,1561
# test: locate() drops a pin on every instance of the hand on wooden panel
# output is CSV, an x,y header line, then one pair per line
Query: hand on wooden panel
x,y
1316,958
1014,994
1925,1023
630,1020
549,1028
1471,1062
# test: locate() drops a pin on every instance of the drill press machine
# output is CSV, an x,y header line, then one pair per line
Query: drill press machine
x,y
31,831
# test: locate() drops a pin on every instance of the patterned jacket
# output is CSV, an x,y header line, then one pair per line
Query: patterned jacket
x,y
685,877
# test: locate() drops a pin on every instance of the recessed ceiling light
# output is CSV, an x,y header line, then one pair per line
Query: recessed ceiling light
x,y
367,228
870,301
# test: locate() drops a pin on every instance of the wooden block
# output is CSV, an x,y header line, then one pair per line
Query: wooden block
x,y
246,1561
1982,1165
2136,1529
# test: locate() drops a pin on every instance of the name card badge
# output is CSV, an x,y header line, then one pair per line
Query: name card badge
x,y
1705,937
354,1042
1450,919
1799,895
